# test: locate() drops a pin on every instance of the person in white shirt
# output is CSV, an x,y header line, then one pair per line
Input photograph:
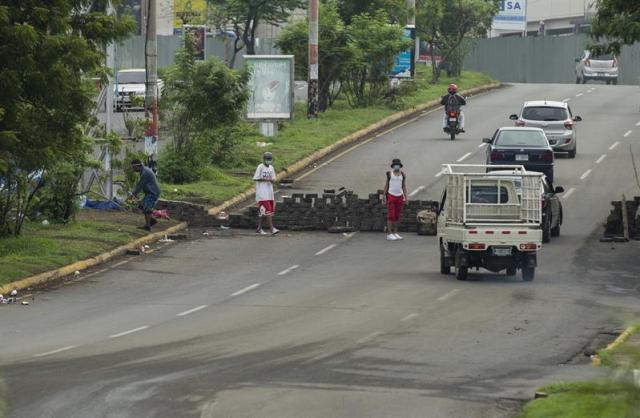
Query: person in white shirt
x,y
395,193
264,177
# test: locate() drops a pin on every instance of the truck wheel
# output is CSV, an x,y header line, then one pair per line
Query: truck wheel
x,y
555,231
546,230
461,273
528,273
511,271
444,268
615,81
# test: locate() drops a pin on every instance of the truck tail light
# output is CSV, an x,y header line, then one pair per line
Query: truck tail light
x,y
587,63
477,246
615,62
531,246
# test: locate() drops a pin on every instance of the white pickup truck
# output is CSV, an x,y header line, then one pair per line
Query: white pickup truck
x,y
490,220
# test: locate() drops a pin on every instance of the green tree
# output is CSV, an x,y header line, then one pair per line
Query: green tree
x,y
373,44
617,23
333,51
46,52
244,17
447,24
395,9
203,101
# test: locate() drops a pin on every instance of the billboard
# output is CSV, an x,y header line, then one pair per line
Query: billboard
x,y
198,35
512,16
404,66
270,87
189,12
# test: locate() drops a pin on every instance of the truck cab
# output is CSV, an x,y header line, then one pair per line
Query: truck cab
x,y
490,220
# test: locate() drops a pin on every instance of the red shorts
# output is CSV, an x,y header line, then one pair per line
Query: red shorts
x,y
394,207
266,208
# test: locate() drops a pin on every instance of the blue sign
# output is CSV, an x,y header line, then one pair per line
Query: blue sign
x,y
405,61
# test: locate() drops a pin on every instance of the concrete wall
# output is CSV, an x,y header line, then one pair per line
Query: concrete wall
x,y
130,54
546,59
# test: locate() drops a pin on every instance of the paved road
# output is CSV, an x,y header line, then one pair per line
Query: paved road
x,y
318,325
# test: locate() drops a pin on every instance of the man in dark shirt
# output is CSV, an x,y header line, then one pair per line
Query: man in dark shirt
x,y
453,102
148,184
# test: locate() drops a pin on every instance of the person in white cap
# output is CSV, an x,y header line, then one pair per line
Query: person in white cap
x,y
264,177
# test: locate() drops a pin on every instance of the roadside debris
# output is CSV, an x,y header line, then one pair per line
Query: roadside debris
x,y
623,225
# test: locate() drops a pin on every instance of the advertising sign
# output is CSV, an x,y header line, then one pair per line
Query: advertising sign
x,y
271,87
512,16
405,61
199,39
189,12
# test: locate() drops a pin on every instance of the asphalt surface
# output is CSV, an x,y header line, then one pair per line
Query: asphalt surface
x,y
320,325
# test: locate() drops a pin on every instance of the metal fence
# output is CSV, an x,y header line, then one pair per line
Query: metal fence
x,y
130,53
545,59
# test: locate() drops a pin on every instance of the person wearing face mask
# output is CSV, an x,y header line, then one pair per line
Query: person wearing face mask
x,y
395,192
264,177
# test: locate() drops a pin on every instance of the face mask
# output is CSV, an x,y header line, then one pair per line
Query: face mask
x,y
396,168
268,162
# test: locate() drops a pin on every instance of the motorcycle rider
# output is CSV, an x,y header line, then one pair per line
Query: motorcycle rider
x,y
453,102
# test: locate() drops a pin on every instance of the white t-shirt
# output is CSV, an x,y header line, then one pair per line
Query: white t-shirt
x,y
395,185
264,190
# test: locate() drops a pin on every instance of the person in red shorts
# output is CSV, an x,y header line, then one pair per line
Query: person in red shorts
x,y
395,192
264,177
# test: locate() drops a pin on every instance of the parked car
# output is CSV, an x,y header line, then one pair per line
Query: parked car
x,y
129,84
591,66
526,146
552,212
557,121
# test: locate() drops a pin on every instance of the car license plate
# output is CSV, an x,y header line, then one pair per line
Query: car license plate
x,y
502,252
452,119
522,157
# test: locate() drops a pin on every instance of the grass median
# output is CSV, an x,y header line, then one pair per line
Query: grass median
x,y
301,137
42,248
619,398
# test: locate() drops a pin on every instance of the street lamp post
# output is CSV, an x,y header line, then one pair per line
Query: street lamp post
x,y
151,91
313,94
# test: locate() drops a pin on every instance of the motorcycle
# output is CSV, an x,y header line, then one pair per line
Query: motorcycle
x,y
453,124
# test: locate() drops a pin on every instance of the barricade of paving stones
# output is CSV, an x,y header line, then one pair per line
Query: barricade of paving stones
x,y
193,214
614,226
331,210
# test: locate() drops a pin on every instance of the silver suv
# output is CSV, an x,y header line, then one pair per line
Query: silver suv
x,y
603,67
557,121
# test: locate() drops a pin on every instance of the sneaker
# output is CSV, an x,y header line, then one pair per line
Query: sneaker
x,y
461,130
260,232
274,231
153,221
391,237
398,237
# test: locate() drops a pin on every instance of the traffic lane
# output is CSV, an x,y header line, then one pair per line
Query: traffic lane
x,y
381,324
148,290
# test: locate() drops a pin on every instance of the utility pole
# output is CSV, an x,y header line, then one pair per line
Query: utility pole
x,y
411,22
111,52
313,94
151,93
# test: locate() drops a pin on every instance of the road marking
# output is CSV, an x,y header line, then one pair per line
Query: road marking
x,y
416,191
369,337
579,94
131,331
464,157
409,317
612,147
569,193
120,263
482,145
289,270
326,250
246,289
602,157
638,124
95,273
568,99
628,133
350,234
448,295
190,311
586,174
441,173
59,350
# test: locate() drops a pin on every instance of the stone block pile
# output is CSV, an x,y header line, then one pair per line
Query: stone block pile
x,y
614,227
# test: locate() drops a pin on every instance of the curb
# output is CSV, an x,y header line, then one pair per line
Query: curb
x,y
299,166
67,270
595,359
